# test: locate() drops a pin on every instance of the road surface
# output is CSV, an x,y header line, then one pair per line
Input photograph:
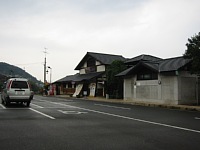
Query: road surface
x,y
52,123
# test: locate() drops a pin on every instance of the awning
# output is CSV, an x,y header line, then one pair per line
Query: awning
x,y
88,76
69,78
80,77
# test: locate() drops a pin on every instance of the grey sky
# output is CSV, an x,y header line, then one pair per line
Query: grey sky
x,y
70,28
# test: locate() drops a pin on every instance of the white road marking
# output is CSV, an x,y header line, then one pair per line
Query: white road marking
x,y
72,112
129,118
55,107
43,100
135,119
60,104
18,108
2,106
40,100
37,105
112,106
197,118
57,103
42,113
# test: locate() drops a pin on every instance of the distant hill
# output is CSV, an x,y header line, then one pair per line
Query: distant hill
x,y
14,71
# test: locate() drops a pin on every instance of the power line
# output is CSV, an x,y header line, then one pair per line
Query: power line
x,y
35,63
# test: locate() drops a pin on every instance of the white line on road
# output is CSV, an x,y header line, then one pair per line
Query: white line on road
x,y
72,112
42,113
135,119
112,106
197,118
22,108
37,105
40,100
149,122
43,100
129,118
2,106
56,107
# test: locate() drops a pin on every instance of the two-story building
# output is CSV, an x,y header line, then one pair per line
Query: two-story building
x,y
91,78
147,79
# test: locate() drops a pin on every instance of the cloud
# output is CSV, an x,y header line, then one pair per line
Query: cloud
x,y
71,28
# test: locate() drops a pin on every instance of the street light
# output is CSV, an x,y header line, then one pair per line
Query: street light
x,y
50,72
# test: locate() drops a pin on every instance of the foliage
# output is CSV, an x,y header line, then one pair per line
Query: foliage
x,y
14,71
115,84
34,87
193,52
7,71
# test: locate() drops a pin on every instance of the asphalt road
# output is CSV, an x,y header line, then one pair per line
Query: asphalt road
x,y
59,124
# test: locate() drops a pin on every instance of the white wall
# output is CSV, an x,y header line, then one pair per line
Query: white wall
x,y
128,88
179,89
98,63
147,89
169,89
187,90
101,68
82,71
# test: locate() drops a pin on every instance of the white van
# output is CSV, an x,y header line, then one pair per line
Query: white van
x,y
17,90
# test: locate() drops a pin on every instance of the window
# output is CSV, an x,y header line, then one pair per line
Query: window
x,y
147,75
69,85
91,65
90,69
91,62
19,84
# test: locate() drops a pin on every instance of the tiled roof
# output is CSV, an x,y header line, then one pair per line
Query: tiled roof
x,y
67,78
142,58
105,59
164,65
173,64
125,72
131,70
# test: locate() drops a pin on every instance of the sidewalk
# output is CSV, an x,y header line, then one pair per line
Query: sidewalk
x,y
121,101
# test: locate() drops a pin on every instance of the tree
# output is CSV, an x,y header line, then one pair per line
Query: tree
x,y
115,84
34,86
193,52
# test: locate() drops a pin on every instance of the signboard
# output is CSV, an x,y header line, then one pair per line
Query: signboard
x,y
78,90
92,89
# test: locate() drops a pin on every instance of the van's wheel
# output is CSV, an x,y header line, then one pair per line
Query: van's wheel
x,y
28,104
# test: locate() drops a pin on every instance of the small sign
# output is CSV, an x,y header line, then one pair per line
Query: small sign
x,y
85,93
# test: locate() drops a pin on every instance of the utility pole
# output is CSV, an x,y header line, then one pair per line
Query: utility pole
x,y
50,73
45,64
